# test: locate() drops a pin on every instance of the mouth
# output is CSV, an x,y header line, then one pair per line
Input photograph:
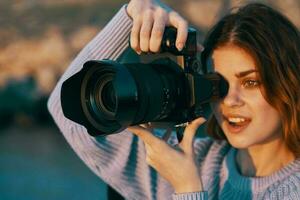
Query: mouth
x,y
236,123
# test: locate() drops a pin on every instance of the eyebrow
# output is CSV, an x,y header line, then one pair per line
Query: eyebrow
x,y
245,73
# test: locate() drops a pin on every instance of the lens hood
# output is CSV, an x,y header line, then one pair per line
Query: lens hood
x,y
80,103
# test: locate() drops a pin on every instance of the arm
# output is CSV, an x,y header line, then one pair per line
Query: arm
x,y
118,159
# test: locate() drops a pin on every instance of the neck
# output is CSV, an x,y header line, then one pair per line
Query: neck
x,y
264,159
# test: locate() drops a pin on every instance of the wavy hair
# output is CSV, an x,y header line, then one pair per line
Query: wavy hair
x,y
274,43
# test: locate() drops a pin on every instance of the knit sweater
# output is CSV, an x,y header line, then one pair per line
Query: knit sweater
x,y
119,159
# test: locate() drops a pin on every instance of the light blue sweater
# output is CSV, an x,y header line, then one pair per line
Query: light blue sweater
x,y
120,159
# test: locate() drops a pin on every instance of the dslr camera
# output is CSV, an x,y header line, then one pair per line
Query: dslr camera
x,y
106,96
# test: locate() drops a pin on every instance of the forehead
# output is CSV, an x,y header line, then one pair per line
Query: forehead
x,y
231,59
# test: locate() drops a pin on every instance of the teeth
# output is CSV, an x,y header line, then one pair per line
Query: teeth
x,y
236,119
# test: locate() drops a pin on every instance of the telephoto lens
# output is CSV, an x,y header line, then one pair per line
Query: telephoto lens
x,y
106,96
114,96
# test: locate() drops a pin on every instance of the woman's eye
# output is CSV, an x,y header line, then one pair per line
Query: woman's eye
x,y
251,83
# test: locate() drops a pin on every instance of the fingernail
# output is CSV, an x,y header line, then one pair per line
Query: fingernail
x,y
179,46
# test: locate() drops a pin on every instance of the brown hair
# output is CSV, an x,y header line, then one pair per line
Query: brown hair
x,y
274,43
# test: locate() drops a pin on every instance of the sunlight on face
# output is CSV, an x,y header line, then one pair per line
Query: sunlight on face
x,y
246,118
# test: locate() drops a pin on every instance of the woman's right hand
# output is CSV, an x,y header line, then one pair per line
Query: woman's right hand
x,y
150,17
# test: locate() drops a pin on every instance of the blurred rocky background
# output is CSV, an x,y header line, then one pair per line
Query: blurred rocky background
x,y
38,39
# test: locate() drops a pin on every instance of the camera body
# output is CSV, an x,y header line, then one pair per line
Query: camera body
x,y
106,96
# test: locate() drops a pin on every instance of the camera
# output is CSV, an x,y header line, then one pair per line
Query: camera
x,y
107,96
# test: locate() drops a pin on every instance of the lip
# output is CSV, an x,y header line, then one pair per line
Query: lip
x,y
236,128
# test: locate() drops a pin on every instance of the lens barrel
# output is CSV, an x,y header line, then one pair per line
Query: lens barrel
x,y
106,96
114,96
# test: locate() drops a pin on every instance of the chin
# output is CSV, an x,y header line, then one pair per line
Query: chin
x,y
239,145
239,142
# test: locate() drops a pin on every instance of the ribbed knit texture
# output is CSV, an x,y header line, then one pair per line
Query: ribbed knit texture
x,y
190,196
120,159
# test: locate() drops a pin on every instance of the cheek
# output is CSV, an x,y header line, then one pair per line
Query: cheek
x,y
267,117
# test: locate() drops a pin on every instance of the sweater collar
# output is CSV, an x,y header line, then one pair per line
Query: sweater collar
x,y
257,184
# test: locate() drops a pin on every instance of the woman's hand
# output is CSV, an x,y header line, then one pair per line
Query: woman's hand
x,y
150,17
176,164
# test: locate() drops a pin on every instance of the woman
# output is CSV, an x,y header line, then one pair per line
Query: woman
x,y
255,151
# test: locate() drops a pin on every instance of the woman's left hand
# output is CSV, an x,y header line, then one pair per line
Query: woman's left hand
x,y
176,164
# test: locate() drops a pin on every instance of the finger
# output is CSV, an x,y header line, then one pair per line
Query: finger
x,y
149,153
151,162
145,135
153,144
182,29
189,134
157,31
135,35
146,31
147,126
182,32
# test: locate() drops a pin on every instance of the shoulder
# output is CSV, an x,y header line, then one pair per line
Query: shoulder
x,y
287,188
292,182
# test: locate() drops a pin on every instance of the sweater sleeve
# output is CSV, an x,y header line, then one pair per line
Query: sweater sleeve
x,y
191,196
119,159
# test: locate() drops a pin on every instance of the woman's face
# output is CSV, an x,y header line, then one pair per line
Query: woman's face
x,y
245,117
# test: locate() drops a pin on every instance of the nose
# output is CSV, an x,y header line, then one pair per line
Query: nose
x,y
233,97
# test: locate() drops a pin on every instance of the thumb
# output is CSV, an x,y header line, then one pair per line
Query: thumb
x,y
189,134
